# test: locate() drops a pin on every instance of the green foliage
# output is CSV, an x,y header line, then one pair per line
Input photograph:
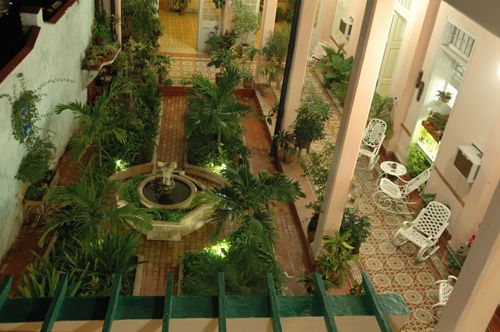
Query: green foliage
x,y
444,94
88,210
316,170
244,19
99,122
140,21
37,190
286,13
103,42
248,199
333,263
212,121
416,160
336,69
455,263
275,53
245,266
219,3
90,266
36,162
381,108
43,275
309,125
438,120
357,226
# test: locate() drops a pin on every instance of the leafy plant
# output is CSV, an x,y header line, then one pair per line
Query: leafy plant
x,y
87,209
37,190
357,226
103,42
416,160
309,284
444,94
219,3
336,69
275,53
333,263
244,264
99,122
140,21
438,120
247,199
244,19
309,125
316,170
381,108
36,162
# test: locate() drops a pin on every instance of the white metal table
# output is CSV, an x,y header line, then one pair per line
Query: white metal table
x,y
392,168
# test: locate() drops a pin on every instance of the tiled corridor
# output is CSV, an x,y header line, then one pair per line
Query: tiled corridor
x,y
178,32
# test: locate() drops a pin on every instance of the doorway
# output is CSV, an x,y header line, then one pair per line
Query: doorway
x,y
179,31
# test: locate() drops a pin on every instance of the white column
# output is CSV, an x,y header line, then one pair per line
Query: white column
x,y
118,20
299,63
477,292
266,30
367,62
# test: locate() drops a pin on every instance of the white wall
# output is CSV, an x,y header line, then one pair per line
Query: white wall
x,y
57,54
475,118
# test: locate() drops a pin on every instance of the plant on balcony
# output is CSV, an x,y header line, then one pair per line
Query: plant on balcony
x,y
103,45
309,126
287,150
357,226
274,54
140,21
416,160
445,96
336,70
333,262
248,200
245,21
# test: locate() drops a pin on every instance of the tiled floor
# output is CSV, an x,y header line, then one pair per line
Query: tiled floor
x,y
178,32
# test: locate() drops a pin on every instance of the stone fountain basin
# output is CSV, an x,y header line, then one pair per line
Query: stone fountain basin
x,y
185,203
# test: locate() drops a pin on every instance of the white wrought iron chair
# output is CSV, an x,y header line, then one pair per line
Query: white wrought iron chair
x,y
445,289
393,197
318,52
425,230
372,141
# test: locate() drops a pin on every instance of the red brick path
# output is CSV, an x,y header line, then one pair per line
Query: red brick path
x,y
171,145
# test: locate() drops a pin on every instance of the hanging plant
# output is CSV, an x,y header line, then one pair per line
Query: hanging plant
x,y
219,3
24,114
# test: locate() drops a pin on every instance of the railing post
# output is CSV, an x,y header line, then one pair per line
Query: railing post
x,y
167,307
112,304
273,303
55,305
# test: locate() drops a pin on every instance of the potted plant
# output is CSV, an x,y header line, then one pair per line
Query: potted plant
x,y
245,21
308,281
286,146
182,5
333,263
309,125
357,226
247,77
444,96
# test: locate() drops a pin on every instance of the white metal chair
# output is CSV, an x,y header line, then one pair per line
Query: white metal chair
x,y
393,197
425,230
318,52
372,141
445,289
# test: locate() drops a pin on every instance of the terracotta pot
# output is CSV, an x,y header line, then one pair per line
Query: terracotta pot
x,y
247,83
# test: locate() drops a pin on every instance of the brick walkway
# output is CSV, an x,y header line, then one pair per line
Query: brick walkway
x,y
290,249
164,256
171,145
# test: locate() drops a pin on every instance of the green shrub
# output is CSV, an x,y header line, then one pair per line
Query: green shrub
x,y
357,226
416,160
244,265
309,125
37,190
36,162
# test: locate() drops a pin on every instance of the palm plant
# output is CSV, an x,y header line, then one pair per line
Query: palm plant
x,y
248,199
333,263
98,122
87,209
212,108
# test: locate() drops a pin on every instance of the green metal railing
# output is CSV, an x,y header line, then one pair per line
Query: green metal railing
x,y
222,306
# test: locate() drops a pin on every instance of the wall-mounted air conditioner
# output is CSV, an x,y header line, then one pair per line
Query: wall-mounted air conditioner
x,y
468,161
345,26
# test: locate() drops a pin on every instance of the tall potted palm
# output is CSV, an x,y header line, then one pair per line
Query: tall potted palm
x,y
213,109
248,199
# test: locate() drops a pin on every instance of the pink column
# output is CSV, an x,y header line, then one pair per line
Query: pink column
x,y
477,292
368,59
298,70
266,30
